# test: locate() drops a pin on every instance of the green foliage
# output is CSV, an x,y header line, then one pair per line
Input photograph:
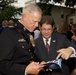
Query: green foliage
x,y
7,11
68,3
46,8
56,1
44,1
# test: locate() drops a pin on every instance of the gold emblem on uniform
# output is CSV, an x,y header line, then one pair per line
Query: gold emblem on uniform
x,y
31,57
22,46
29,50
54,40
21,40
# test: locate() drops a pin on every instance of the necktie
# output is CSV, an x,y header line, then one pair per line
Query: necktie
x,y
47,45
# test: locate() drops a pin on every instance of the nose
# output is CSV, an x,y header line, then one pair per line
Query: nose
x,y
46,31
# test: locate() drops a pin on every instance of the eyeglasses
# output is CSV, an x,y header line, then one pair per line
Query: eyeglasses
x,y
44,29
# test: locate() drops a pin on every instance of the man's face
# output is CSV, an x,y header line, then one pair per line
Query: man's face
x,y
46,30
31,21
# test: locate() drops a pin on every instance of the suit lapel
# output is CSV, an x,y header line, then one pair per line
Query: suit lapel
x,y
42,45
53,44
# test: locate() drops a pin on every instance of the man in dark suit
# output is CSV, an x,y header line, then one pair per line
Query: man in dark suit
x,y
4,25
59,46
16,49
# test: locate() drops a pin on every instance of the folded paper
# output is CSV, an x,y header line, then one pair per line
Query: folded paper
x,y
55,64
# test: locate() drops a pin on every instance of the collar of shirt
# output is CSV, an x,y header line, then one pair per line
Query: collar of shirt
x,y
23,26
49,40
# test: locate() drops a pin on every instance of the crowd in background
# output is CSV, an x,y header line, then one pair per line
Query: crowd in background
x,y
69,30
7,23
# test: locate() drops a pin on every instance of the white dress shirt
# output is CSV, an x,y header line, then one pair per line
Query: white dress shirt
x,y
49,40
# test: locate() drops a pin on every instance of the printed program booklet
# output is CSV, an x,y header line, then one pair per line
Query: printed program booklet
x,y
55,64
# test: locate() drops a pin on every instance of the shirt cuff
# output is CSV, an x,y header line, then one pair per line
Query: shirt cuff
x,y
25,72
74,52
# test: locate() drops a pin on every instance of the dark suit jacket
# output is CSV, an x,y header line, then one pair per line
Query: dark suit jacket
x,y
1,29
57,42
15,52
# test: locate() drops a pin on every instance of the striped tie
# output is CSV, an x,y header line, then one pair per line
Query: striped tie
x,y
47,45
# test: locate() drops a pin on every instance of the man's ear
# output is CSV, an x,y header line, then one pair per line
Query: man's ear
x,y
24,15
53,27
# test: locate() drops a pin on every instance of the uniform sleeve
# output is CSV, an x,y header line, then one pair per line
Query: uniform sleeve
x,y
7,65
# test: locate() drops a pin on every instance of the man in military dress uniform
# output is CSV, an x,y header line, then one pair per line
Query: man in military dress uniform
x,y
16,50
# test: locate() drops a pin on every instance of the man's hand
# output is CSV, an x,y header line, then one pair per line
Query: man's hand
x,y
34,68
65,53
44,63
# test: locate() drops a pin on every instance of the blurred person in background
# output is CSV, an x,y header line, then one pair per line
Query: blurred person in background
x,y
36,32
64,29
69,32
4,25
11,23
73,30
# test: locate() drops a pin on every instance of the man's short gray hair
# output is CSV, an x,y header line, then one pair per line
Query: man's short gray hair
x,y
4,22
31,8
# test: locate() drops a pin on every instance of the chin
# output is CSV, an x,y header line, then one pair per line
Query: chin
x,y
46,37
31,30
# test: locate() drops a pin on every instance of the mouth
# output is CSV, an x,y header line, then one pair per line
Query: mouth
x,y
46,34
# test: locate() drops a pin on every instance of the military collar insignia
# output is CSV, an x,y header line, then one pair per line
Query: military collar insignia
x,y
24,29
21,40
54,40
